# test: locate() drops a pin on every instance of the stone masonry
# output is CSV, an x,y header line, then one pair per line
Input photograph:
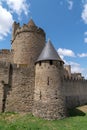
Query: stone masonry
x,y
33,77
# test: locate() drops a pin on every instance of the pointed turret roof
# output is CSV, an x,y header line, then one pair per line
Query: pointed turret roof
x,y
31,23
49,53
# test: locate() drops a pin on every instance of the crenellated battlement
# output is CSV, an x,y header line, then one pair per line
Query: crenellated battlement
x,y
6,55
26,28
27,43
5,51
73,79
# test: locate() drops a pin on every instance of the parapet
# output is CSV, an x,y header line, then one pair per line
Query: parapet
x,y
5,51
67,70
26,28
77,75
67,78
6,55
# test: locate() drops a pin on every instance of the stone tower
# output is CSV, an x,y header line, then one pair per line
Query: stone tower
x,y
49,102
27,42
68,69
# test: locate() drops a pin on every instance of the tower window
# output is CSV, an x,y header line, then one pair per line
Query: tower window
x,y
40,95
51,62
60,63
56,96
40,63
47,80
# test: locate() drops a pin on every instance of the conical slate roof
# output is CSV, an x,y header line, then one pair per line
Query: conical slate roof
x,y
49,53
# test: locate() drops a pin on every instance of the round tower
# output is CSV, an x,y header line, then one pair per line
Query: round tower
x,y
49,101
27,43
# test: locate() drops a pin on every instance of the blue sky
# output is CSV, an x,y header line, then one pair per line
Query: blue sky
x,y
64,21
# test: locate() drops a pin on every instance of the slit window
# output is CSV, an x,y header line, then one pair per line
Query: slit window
x,y
40,63
40,95
47,80
60,63
51,62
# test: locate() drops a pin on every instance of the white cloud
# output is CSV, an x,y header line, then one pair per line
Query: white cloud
x,y
18,6
70,4
0,3
65,52
84,13
1,37
85,33
82,55
85,39
75,67
6,21
6,16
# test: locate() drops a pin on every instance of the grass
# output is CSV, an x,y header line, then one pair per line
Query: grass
x,y
22,121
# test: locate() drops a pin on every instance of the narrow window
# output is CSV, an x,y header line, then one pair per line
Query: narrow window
x,y
51,62
56,96
60,63
47,80
40,63
40,95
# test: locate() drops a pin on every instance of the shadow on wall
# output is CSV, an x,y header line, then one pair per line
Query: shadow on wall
x,y
7,88
75,112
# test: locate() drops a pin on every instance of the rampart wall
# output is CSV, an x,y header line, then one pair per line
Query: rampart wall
x,y
4,79
17,88
6,55
75,92
20,98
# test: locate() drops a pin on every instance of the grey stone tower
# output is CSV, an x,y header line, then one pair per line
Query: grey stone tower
x,y
49,102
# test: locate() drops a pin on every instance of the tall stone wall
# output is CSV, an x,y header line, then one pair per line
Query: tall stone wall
x,y
48,98
75,92
20,98
4,79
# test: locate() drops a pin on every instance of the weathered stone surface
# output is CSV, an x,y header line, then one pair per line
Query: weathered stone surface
x,y
49,101
28,45
42,91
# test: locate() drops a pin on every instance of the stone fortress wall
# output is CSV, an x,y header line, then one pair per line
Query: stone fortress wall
x,y
6,55
18,79
75,92
74,88
27,43
20,98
